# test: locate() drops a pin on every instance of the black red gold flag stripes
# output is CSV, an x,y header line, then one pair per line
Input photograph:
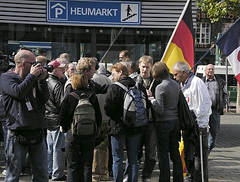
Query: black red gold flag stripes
x,y
181,45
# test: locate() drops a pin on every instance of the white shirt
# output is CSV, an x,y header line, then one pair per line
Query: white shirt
x,y
199,101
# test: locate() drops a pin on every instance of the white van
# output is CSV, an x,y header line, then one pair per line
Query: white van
x,y
219,70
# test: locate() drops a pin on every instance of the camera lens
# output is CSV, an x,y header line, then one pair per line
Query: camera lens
x,y
49,68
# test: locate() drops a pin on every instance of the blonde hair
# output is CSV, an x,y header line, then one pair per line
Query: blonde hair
x,y
146,59
65,57
79,80
85,64
41,59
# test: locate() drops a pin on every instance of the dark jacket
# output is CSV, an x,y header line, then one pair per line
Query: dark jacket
x,y
53,105
2,110
69,104
139,79
93,87
114,108
14,91
222,98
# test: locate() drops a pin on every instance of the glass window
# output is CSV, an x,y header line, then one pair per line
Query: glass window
x,y
203,33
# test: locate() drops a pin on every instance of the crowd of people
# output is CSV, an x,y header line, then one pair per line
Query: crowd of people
x,y
39,107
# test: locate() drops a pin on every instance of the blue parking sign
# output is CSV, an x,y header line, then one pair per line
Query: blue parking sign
x,y
94,12
58,10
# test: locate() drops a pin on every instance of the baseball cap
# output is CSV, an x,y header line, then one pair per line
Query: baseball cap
x,y
56,64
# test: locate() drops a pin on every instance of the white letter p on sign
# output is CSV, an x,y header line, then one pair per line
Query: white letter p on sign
x,y
58,11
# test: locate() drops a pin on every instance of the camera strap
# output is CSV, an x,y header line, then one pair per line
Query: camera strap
x,y
28,103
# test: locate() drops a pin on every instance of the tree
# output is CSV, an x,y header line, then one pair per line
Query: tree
x,y
218,9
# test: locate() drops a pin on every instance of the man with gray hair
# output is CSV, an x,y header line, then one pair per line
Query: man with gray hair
x,y
198,99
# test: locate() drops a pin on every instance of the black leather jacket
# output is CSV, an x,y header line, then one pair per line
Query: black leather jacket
x,y
53,105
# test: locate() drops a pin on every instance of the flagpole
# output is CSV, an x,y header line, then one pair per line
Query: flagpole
x,y
215,44
203,56
111,44
179,20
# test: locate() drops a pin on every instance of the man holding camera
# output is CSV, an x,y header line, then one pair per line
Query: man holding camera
x,y
55,138
24,90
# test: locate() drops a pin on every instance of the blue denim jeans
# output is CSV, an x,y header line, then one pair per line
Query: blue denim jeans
x,y
214,123
56,157
118,142
168,136
15,157
148,139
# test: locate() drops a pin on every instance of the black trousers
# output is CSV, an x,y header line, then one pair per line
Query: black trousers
x,y
79,152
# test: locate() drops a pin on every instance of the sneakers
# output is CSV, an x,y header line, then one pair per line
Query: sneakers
x,y
146,180
104,177
4,172
26,172
95,178
125,179
187,179
63,178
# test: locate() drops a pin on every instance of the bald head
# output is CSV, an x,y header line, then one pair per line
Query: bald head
x,y
24,59
209,71
23,55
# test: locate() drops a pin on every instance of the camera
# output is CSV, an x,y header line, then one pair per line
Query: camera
x,y
49,68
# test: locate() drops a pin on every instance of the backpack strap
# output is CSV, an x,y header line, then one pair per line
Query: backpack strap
x,y
137,85
75,95
82,96
122,86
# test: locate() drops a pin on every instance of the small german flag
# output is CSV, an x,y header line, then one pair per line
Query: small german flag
x,y
181,45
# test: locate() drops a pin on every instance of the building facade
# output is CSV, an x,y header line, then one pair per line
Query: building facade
x,y
89,28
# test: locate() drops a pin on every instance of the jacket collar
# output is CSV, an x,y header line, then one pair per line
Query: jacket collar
x,y
188,82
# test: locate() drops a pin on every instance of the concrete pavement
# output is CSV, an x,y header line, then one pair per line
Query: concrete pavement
x,y
224,160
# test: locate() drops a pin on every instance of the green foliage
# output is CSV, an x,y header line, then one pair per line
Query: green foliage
x,y
218,9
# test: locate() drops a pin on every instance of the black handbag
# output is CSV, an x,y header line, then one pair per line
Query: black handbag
x,y
187,122
29,137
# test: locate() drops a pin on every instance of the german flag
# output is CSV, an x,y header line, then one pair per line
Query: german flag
x,y
181,45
